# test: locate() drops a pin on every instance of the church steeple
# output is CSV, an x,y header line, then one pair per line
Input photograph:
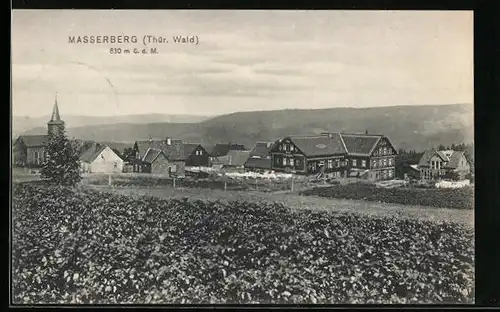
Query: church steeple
x,y
55,124
55,112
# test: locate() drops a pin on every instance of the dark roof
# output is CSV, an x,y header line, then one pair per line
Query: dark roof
x,y
426,157
361,144
34,140
151,155
258,163
90,154
261,149
209,149
238,158
189,148
223,149
173,152
454,159
319,145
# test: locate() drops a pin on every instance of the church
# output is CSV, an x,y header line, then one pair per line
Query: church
x,y
29,150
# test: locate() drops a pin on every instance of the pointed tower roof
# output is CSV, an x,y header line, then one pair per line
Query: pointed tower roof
x,y
55,112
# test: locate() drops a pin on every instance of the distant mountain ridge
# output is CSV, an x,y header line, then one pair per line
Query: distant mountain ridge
x,y
409,127
23,124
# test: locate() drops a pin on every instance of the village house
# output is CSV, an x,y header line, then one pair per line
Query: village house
x,y
196,155
366,156
221,150
234,160
371,156
309,154
29,150
260,157
159,156
436,164
100,158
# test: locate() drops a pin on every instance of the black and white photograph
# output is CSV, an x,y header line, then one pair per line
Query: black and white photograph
x,y
207,157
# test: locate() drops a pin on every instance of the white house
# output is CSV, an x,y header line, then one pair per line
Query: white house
x,y
100,159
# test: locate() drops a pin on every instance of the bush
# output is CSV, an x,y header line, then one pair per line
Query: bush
x,y
462,198
81,246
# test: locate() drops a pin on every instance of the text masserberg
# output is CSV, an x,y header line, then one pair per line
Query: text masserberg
x,y
103,39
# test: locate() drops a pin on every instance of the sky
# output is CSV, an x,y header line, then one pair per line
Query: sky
x,y
244,61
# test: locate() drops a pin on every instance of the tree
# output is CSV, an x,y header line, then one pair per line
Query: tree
x,y
128,155
62,165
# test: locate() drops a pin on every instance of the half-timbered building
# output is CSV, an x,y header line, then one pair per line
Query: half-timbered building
x,y
366,156
309,154
371,156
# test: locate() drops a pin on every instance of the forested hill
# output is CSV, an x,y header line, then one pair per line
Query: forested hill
x,y
409,127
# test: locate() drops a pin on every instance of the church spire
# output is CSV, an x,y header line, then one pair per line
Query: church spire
x,y
55,125
55,112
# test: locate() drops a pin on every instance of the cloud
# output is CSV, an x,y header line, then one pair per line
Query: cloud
x,y
260,57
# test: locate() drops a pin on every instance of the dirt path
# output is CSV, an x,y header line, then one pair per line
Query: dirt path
x,y
295,201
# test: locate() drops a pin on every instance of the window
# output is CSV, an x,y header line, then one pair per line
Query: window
x,y
116,165
374,163
291,147
337,163
281,147
380,150
385,150
277,160
36,156
330,163
363,163
291,161
390,173
354,162
285,161
390,161
321,163
384,162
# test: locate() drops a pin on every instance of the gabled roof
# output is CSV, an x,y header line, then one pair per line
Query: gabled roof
x,y
223,149
173,152
189,148
238,158
258,163
261,149
209,149
319,145
91,153
151,155
233,158
360,144
455,159
34,140
426,157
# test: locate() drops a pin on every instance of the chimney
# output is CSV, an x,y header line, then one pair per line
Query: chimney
x,y
366,131
169,141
